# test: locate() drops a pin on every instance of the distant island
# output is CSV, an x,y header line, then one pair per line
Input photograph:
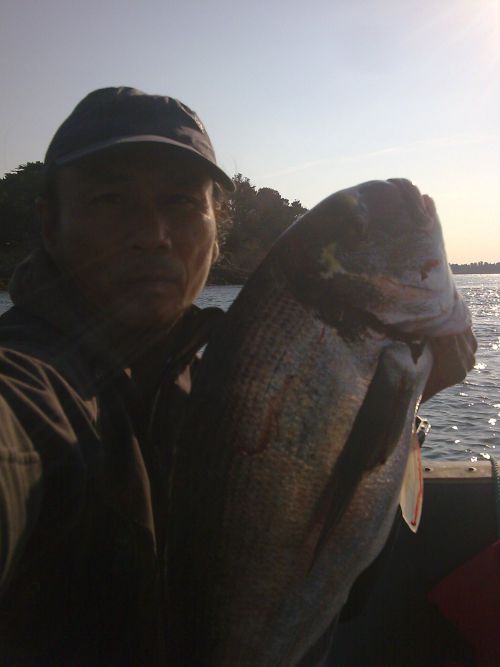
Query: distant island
x,y
476,267
251,220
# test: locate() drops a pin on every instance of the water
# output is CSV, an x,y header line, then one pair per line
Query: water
x,y
5,302
465,418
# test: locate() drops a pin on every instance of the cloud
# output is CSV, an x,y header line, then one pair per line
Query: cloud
x,y
435,143
299,167
415,146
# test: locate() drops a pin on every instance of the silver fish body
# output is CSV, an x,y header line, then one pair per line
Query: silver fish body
x,y
288,472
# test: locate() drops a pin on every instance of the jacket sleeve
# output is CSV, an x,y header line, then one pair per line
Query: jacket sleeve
x,y
42,472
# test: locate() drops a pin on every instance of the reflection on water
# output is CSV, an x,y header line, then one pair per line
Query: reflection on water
x,y
218,295
5,302
465,418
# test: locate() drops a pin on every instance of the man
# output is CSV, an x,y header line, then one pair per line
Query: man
x,y
94,364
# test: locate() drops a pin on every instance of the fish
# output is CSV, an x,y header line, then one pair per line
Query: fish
x,y
300,424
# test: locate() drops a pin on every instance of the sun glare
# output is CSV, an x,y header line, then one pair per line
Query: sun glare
x,y
471,22
485,25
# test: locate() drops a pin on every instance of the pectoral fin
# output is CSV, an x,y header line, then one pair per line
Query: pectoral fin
x,y
375,433
412,490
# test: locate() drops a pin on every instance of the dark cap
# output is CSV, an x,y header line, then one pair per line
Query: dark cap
x,y
113,116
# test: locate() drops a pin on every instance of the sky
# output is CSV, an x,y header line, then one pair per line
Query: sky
x,y
303,97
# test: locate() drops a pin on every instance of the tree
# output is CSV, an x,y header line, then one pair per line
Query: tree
x,y
476,267
258,218
18,190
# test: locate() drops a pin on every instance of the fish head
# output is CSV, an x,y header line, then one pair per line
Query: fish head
x,y
386,229
378,249
373,257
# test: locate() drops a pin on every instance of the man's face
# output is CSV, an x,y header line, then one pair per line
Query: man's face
x,y
136,230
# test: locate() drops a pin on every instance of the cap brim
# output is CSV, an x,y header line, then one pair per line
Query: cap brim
x,y
220,176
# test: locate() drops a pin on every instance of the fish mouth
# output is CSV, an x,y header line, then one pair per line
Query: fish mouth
x,y
415,289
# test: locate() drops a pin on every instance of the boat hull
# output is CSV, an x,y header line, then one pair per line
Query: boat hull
x,y
388,620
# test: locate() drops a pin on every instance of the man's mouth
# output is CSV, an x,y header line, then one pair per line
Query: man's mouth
x,y
154,274
153,278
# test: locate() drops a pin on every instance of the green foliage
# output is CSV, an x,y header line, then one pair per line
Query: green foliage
x,y
18,190
258,218
476,267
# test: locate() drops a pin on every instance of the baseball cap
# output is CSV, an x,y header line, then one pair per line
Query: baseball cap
x,y
112,116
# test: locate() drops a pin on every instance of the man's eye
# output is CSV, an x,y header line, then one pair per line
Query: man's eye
x,y
184,200
108,198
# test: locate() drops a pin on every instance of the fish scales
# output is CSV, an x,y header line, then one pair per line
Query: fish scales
x,y
281,493
251,478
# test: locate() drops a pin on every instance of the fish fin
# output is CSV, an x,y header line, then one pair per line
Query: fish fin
x,y
376,431
412,489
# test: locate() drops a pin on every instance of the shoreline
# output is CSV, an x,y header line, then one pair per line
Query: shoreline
x,y
222,273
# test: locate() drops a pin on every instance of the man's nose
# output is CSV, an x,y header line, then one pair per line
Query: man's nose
x,y
152,227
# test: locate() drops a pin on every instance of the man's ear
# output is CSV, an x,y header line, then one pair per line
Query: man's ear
x,y
48,223
215,252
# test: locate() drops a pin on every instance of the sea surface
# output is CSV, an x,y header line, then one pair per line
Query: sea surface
x,y
465,419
